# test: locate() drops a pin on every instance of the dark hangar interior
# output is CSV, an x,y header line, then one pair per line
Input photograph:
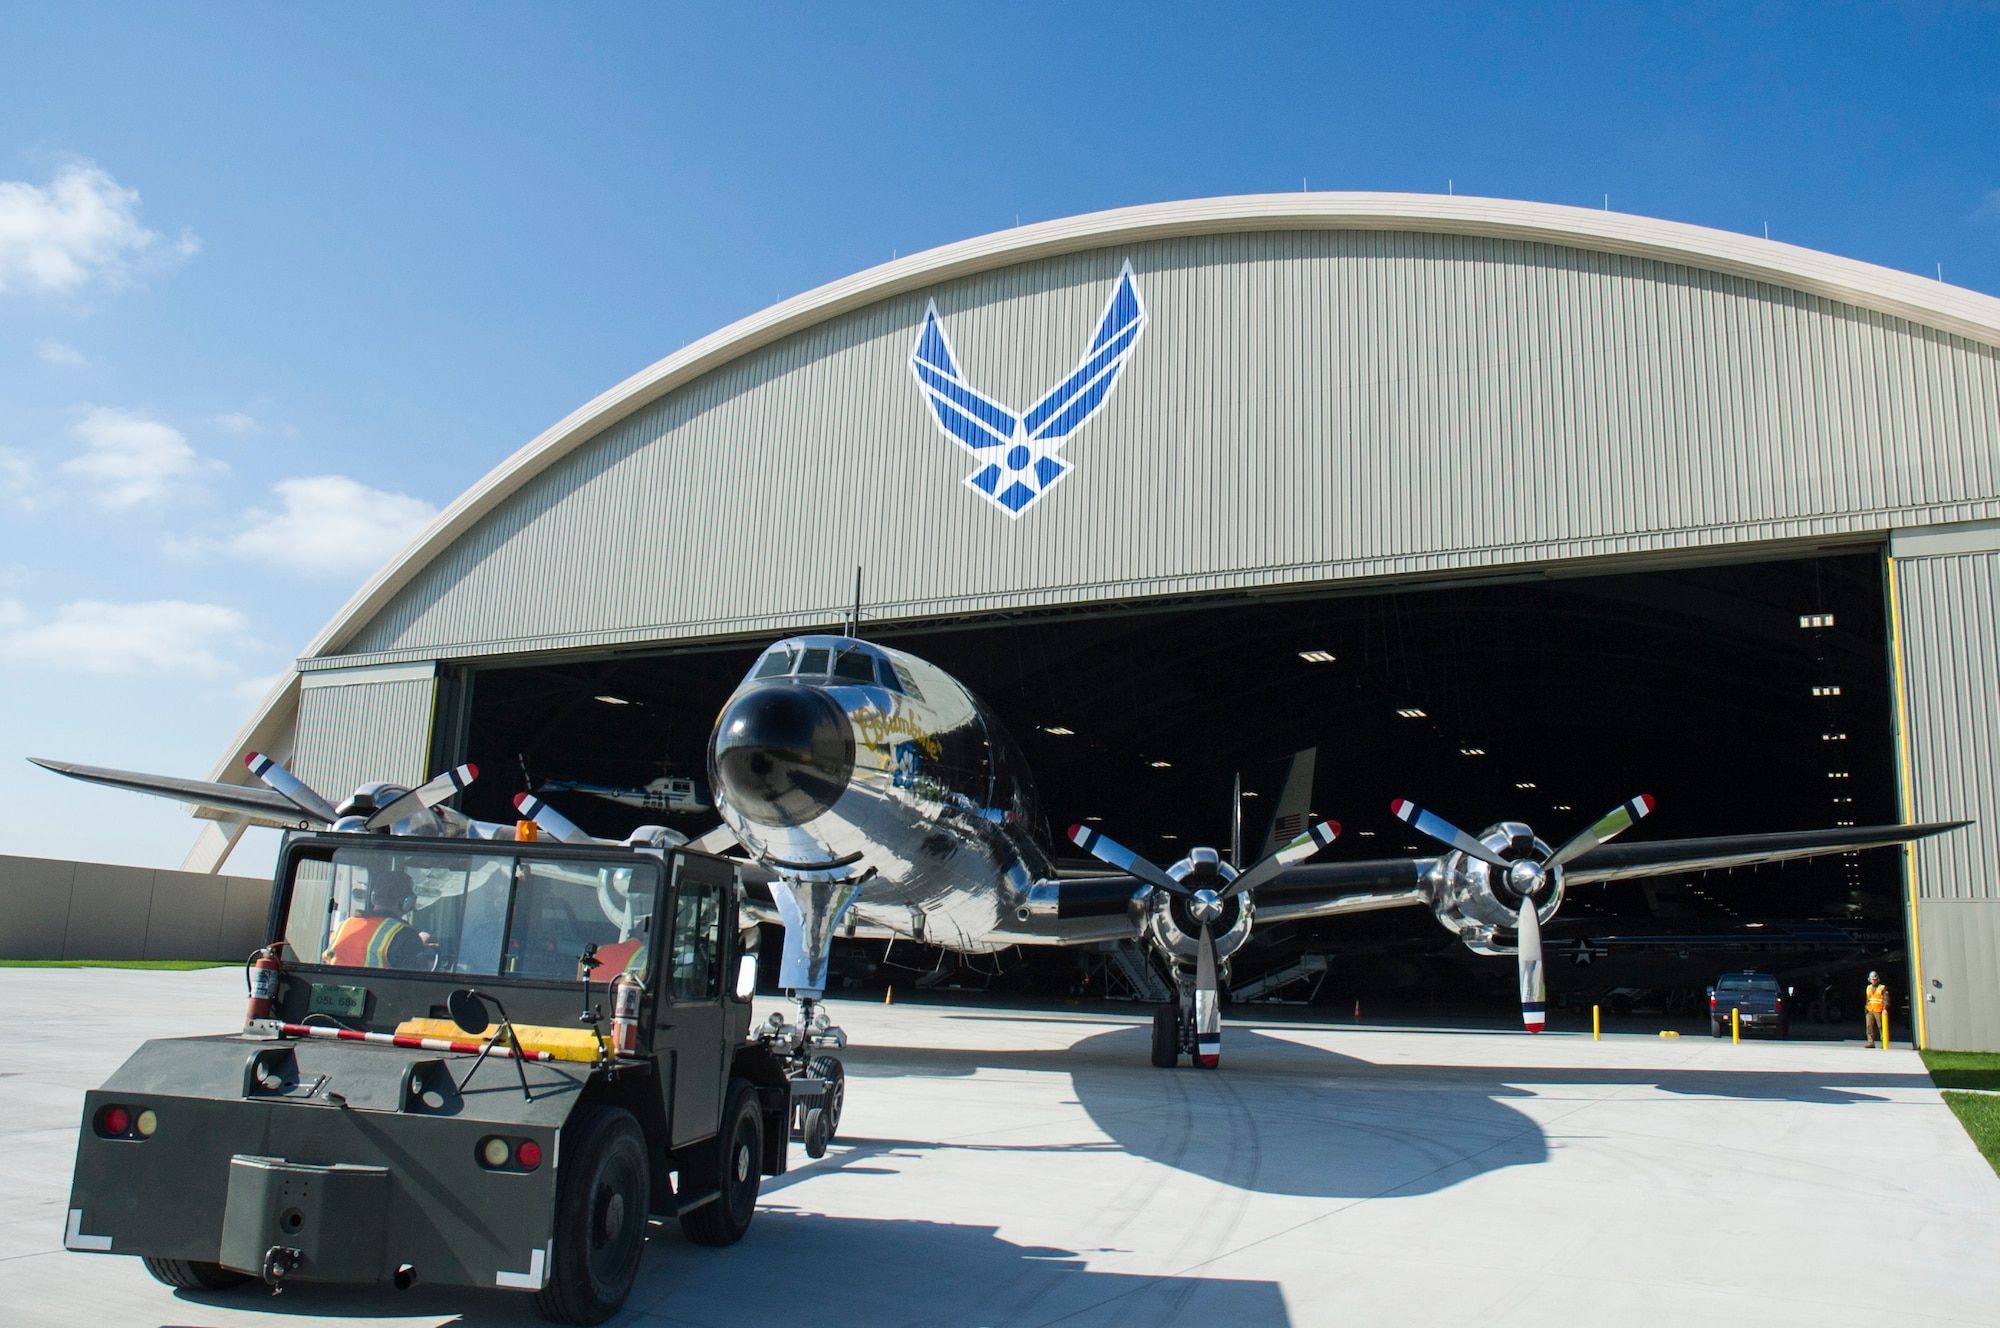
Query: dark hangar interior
x,y
1744,697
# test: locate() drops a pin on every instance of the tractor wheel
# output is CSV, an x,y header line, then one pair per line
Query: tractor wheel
x,y
1166,1036
194,1275
830,1069
734,1166
600,1227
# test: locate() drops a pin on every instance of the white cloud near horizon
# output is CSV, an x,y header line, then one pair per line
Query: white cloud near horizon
x,y
329,525
83,227
50,351
150,637
237,422
131,459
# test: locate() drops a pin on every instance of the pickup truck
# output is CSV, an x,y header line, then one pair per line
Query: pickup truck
x,y
1757,1000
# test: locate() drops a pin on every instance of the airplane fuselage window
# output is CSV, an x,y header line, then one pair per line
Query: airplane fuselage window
x,y
775,665
813,659
856,666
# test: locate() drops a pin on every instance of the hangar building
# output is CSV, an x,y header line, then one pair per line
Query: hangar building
x,y
1515,509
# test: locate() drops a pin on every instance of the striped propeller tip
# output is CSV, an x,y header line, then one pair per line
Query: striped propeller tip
x,y
526,803
1080,834
257,762
1326,832
1643,803
1404,809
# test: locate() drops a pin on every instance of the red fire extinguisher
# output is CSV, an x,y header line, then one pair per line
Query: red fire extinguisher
x,y
261,974
625,994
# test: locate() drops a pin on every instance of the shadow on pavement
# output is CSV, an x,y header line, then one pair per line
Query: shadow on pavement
x,y
1282,1117
801,1270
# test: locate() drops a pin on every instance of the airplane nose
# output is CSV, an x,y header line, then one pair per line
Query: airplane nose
x,y
782,754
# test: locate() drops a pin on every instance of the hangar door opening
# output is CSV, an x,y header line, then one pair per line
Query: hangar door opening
x,y
1743,697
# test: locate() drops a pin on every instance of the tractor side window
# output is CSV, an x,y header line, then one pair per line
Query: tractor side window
x,y
309,919
855,666
563,908
417,912
697,970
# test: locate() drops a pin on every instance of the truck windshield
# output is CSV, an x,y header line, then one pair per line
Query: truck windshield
x,y
481,913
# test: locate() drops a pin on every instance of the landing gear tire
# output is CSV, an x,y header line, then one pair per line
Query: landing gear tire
x,y
194,1275
736,1167
600,1226
1166,1036
830,1069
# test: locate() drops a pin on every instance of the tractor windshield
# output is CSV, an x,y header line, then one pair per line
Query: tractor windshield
x,y
481,913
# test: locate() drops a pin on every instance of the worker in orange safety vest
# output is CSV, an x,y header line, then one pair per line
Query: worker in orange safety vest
x,y
375,934
1877,1021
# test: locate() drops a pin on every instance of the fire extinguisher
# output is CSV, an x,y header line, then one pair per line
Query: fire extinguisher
x,y
625,993
260,974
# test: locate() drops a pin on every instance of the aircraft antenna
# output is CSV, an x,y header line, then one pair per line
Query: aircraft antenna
x,y
854,618
1236,826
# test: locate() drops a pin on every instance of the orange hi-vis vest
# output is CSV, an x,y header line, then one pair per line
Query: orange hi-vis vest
x,y
364,942
623,957
1878,998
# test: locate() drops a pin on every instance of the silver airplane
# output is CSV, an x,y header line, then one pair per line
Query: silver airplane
x,y
870,794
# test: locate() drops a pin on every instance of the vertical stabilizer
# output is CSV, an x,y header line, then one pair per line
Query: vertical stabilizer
x,y
1294,803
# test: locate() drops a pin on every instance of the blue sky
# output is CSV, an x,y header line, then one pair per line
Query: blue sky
x,y
276,282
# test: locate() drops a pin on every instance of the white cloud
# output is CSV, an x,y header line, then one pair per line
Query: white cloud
x,y
16,471
1989,208
132,459
84,226
153,637
330,524
255,689
51,351
237,422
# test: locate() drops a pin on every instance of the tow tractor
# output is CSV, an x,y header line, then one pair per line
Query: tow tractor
x,y
482,1061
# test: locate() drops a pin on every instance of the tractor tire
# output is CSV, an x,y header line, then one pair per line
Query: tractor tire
x,y
194,1275
600,1218
1166,1036
734,1166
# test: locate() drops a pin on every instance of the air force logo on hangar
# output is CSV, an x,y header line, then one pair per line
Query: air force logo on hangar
x,y
1017,453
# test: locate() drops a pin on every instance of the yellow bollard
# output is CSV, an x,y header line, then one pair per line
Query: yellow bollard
x,y
1736,1026
1596,1027
889,996
1885,1030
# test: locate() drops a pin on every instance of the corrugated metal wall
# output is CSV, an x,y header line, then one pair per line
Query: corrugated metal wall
x,y
1303,406
1950,658
357,726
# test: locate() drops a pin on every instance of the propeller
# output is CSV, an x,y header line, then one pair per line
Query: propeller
x,y
550,819
1528,877
424,797
1205,904
289,784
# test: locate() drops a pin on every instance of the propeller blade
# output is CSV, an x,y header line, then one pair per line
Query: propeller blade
x,y
1320,835
1207,1009
424,797
289,784
1446,833
1533,993
1608,827
1109,851
550,819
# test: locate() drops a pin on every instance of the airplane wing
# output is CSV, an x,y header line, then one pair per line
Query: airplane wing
x,y
1619,862
267,803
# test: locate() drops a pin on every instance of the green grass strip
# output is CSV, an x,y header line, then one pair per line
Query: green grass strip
x,y
1979,1113
155,965
1964,1069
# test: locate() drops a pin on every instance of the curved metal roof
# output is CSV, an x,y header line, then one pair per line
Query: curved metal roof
x,y
1898,295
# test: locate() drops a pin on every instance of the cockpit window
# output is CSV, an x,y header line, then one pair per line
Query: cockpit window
x,y
775,665
886,674
856,666
813,659
909,683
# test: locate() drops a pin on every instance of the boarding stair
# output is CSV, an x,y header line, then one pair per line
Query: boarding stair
x,y
1286,985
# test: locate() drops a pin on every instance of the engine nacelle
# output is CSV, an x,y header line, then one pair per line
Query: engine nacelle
x,y
1171,925
1477,900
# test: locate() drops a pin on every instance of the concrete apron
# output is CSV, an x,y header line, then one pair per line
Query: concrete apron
x,y
998,1167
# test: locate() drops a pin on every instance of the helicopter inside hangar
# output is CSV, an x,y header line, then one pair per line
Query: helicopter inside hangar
x,y
1744,697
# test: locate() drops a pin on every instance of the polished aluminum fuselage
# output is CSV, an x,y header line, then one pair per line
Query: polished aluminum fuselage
x,y
939,823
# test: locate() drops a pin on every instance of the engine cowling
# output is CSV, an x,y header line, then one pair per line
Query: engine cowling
x,y
1477,901
1172,924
